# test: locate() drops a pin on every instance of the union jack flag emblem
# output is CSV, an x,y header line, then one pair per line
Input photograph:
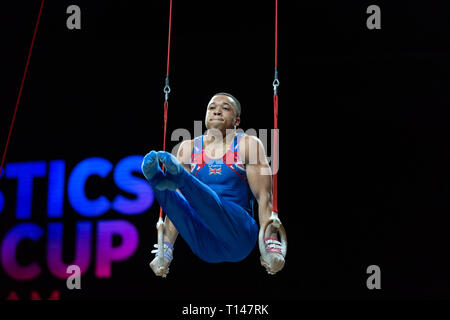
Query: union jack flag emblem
x,y
215,169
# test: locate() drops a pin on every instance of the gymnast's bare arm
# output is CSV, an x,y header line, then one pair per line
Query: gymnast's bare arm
x,y
259,177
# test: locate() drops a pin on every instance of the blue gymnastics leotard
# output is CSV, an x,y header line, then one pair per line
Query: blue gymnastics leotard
x,y
214,212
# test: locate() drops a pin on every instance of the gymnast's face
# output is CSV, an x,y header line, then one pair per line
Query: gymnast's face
x,y
221,113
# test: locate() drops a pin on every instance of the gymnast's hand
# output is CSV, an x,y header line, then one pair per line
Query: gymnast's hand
x,y
162,270
275,263
274,257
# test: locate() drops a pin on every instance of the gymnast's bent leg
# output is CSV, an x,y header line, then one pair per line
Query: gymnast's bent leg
x,y
202,241
197,235
227,220
188,217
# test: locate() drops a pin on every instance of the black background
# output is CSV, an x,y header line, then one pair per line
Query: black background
x,y
363,123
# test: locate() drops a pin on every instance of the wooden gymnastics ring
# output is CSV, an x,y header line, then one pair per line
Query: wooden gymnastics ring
x,y
160,227
275,222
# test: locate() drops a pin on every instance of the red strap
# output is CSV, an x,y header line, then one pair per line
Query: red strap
x,y
166,108
276,33
275,157
168,42
166,102
21,87
275,123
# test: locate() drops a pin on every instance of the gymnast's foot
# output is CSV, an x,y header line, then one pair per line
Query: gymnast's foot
x,y
150,166
153,173
173,166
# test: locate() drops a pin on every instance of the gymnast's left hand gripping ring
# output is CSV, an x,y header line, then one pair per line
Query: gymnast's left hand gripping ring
x,y
276,223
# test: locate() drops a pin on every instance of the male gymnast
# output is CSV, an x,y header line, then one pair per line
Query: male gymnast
x,y
209,189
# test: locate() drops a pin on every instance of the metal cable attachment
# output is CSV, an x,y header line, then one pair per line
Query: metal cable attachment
x,y
275,83
167,88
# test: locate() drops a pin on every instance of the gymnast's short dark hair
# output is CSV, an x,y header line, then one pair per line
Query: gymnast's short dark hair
x,y
236,101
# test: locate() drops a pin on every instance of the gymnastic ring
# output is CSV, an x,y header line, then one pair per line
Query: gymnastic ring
x,y
275,221
160,227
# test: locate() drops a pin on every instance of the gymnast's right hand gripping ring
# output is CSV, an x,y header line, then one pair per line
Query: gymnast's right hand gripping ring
x,y
275,222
